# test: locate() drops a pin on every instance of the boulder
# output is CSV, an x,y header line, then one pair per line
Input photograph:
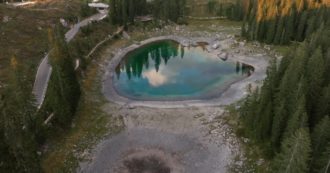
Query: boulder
x,y
215,45
5,19
224,56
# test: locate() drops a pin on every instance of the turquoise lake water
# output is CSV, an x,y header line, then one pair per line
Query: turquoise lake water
x,y
166,70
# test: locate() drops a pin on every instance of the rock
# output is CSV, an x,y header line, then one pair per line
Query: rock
x,y
224,56
216,45
245,140
84,154
126,36
267,47
5,19
185,43
131,107
177,28
260,162
256,44
239,163
63,22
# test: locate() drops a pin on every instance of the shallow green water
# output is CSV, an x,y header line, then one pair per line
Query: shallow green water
x,y
166,70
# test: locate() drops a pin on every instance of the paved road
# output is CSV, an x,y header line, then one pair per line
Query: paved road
x,y
45,69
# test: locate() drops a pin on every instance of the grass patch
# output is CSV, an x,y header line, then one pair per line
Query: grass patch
x,y
206,25
23,32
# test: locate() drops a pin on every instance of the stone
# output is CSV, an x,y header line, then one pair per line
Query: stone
x,y
216,45
260,162
126,36
224,56
185,43
63,22
267,47
5,19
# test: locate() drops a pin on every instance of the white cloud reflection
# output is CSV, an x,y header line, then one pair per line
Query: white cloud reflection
x,y
155,78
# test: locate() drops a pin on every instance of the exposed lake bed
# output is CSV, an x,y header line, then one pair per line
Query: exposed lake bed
x,y
177,132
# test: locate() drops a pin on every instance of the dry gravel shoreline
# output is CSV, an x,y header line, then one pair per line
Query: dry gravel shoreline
x,y
190,138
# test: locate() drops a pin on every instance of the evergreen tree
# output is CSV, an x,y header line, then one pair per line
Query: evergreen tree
x,y
113,12
299,119
248,111
271,31
17,116
314,73
64,91
294,155
324,161
131,11
288,94
322,108
310,25
289,27
301,27
124,12
265,112
279,31
320,139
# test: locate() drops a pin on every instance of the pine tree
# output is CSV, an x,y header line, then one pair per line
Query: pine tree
x,y
323,164
301,27
248,113
320,139
310,25
265,112
6,158
18,115
279,31
315,71
286,98
131,11
124,12
113,12
299,119
289,27
271,31
294,155
322,108
64,91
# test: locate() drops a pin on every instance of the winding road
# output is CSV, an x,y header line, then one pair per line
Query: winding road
x,y
45,69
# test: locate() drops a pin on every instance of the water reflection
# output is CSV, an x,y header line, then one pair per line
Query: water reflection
x,y
168,70
161,52
158,52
